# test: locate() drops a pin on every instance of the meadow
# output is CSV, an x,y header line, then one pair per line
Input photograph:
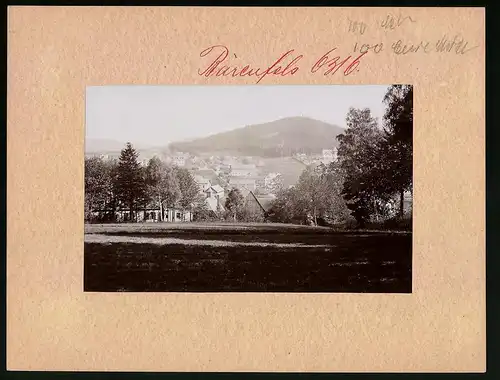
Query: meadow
x,y
165,257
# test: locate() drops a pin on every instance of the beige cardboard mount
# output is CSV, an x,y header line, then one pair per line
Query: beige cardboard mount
x,y
55,52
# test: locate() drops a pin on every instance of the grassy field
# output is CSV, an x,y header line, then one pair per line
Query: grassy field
x,y
244,258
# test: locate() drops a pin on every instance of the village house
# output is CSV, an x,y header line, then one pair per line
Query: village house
x,y
243,170
202,182
216,206
179,159
310,159
259,205
243,182
260,183
214,191
170,214
209,174
214,199
150,213
224,169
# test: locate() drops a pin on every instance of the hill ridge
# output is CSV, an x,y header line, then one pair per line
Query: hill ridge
x,y
285,136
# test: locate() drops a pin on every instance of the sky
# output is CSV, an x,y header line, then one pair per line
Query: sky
x,y
159,115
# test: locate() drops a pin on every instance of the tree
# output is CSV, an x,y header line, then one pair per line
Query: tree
x,y
335,205
360,163
162,184
99,189
317,195
201,212
276,184
250,215
188,187
287,208
234,202
130,181
311,193
95,185
398,123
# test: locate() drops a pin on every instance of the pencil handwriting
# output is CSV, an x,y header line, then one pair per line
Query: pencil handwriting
x,y
364,48
457,45
392,22
356,27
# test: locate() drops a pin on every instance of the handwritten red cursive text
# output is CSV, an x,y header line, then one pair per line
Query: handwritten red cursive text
x,y
219,65
331,65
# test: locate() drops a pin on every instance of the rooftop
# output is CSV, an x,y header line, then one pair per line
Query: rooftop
x,y
217,188
264,201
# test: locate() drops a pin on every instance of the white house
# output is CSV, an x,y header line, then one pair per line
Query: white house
x,y
216,205
214,191
151,213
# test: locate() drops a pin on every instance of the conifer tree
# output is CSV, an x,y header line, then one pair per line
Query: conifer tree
x,y
130,181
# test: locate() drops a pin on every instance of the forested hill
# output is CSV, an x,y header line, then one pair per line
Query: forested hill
x,y
282,137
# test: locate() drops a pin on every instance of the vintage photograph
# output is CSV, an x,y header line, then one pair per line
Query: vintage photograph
x,y
249,188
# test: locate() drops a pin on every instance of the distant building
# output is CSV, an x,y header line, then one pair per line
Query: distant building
x,y
243,170
260,182
243,182
173,214
329,155
202,164
302,157
209,174
180,158
224,169
202,182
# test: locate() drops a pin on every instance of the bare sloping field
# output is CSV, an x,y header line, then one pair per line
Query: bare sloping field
x,y
244,258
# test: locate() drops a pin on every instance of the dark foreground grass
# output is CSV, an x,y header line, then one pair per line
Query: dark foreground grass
x,y
327,261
